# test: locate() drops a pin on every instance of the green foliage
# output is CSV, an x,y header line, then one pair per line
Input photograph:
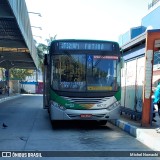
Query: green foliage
x,y
42,49
50,40
20,74
2,73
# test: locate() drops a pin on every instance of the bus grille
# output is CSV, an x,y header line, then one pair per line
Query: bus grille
x,y
86,100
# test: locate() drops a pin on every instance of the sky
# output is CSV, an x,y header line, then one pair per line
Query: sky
x,y
85,19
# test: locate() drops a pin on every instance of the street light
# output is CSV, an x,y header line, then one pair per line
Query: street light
x,y
37,27
36,13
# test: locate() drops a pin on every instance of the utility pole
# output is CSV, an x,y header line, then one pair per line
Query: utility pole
x,y
7,81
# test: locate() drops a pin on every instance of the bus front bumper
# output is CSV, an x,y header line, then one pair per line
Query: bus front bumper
x,y
69,114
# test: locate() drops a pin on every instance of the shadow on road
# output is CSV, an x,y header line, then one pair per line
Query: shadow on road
x,y
86,125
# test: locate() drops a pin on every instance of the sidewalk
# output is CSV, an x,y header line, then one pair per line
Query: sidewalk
x,y
148,136
5,97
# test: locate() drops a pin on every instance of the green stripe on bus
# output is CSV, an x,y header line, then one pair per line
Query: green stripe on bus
x,y
67,104
118,95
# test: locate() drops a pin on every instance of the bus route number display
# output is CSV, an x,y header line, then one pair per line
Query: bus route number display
x,y
86,46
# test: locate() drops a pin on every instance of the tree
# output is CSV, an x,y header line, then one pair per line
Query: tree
x,y
20,74
42,49
50,40
2,74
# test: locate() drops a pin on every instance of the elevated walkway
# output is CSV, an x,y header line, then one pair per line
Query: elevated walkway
x,y
17,47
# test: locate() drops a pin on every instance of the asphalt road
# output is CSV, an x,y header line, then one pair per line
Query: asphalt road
x,y
29,129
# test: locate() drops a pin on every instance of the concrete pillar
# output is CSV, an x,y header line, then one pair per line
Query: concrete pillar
x,y
151,36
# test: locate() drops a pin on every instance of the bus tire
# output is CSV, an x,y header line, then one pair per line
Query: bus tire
x,y
55,123
102,122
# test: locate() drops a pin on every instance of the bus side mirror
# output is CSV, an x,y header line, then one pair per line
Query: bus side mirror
x,y
46,59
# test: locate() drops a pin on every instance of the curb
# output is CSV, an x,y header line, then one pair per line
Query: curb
x,y
140,134
9,98
125,126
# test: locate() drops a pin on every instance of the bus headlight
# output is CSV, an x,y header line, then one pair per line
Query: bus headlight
x,y
61,107
54,104
113,106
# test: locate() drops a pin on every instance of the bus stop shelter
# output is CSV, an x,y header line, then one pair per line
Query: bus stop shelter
x,y
137,75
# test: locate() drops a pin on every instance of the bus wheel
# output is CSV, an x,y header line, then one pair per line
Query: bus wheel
x,y
102,122
55,123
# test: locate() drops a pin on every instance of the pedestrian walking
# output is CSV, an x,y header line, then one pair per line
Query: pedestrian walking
x,y
156,101
157,97
7,90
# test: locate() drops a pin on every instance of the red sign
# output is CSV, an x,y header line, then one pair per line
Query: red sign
x,y
86,115
105,57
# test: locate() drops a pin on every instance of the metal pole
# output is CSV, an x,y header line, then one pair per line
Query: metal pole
x,y
7,81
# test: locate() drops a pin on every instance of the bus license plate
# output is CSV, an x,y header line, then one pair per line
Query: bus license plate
x,y
86,115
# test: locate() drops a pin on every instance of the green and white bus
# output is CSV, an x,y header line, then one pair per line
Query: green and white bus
x,y
82,80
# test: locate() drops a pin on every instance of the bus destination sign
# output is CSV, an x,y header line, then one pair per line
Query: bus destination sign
x,y
86,46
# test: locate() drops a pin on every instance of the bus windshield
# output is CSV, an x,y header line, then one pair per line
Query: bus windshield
x,y
84,72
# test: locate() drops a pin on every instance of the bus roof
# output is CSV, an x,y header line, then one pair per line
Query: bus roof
x,y
83,40
87,45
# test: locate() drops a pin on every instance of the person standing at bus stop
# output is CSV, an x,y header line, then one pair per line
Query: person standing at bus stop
x,y
7,90
157,100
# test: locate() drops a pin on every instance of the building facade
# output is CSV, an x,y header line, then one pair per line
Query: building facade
x,y
149,21
133,46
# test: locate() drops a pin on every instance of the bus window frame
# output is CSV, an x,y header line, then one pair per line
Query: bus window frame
x,y
86,54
